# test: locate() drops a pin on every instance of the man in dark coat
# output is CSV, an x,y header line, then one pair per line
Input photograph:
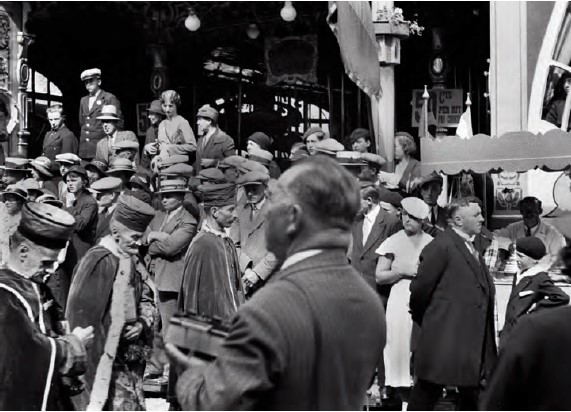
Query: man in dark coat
x,y
310,338
106,192
40,358
89,109
213,144
452,299
430,187
59,139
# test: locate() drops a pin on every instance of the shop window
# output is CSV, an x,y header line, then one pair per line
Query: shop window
x,y
42,93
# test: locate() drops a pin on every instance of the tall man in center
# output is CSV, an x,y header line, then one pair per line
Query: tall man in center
x,y
213,144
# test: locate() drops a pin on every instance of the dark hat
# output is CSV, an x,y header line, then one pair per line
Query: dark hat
x,y
390,197
68,158
133,213
16,164
156,107
433,177
43,165
349,158
126,145
261,156
90,74
141,180
15,190
46,225
106,184
109,112
218,195
373,159
211,175
358,133
173,186
208,112
253,178
121,165
531,246
262,139
179,169
313,130
80,170
98,166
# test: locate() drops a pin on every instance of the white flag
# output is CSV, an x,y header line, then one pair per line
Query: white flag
x,y
464,130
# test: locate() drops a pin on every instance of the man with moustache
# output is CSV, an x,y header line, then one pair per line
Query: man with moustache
x,y
213,144
112,291
107,147
452,299
89,109
292,346
59,139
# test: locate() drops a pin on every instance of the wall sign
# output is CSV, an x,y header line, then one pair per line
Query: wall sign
x,y
445,104
142,120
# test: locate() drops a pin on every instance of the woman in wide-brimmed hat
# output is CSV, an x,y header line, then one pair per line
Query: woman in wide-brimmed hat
x,y
96,170
42,171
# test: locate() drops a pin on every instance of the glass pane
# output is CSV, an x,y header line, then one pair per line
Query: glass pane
x,y
555,95
41,85
54,90
562,51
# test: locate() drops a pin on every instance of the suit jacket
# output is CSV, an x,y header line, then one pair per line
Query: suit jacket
x,y
411,173
250,240
104,152
363,257
531,372
91,128
452,299
167,256
439,227
292,346
537,289
58,142
218,146
102,230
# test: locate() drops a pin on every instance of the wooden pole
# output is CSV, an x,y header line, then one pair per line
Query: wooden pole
x,y
425,97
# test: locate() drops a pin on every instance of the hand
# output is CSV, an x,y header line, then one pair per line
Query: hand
x,y
180,361
69,199
250,277
85,335
206,163
132,332
151,149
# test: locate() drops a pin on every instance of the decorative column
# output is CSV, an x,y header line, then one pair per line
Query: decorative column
x,y
23,73
159,78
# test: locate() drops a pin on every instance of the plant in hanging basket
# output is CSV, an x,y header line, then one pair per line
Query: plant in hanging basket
x,y
391,21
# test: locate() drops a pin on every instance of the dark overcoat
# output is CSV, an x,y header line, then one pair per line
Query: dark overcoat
x,y
218,146
91,128
308,340
57,142
452,299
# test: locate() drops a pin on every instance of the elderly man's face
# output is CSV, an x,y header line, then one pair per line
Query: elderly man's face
x,y
469,219
225,216
128,240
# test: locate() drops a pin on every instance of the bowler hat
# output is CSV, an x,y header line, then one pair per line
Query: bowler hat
x,y
109,112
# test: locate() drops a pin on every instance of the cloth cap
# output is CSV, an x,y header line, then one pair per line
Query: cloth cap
x,y
208,112
80,170
15,190
217,194
261,156
106,184
97,166
212,174
108,112
173,186
46,225
43,165
180,169
254,178
121,165
156,107
90,74
68,158
126,145
16,164
329,146
141,180
390,197
415,207
349,158
358,133
251,166
262,139
374,159
433,177
133,213
312,130
531,246
173,160
232,161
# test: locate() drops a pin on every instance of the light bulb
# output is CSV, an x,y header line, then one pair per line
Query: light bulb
x,y
253,31
288,12
192,22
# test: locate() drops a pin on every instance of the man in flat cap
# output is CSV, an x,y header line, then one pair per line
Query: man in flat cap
x,y
360,140
59,139
312,136
90,108
106,193
430,187
212,282
370,170
112,291
114,138
39,355
292,346
248,232
213,144
64,162
328,147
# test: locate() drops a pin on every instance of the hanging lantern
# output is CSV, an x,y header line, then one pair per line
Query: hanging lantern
x,y
288,12
253,31
192,22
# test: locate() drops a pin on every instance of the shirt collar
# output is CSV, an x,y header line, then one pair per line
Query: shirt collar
x,y
174,212
258,205
299,256
463,235
208,229
373,213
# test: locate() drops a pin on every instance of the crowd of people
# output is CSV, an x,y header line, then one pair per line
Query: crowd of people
x,y
332,273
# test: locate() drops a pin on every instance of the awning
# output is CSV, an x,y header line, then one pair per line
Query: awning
x,y
513,152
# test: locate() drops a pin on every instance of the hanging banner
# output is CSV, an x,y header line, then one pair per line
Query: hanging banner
x,y
445,104
290,59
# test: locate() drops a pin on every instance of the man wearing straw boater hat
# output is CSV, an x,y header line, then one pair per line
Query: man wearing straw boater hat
x,y
112,291
107,145
39,354
90,108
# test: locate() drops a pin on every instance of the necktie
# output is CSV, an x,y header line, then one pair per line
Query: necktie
x,y
253,213
527,231
432,217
